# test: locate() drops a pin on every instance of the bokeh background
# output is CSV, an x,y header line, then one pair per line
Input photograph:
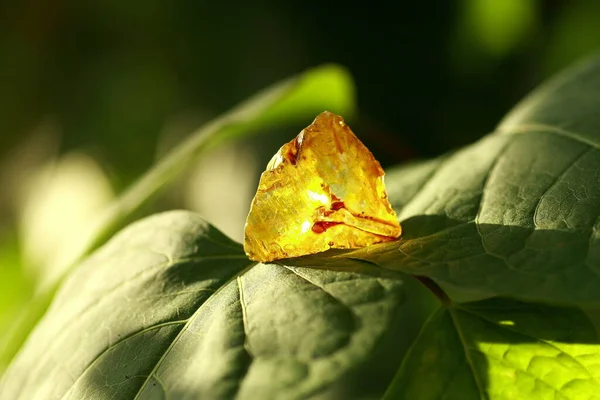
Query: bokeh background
x,y
94,92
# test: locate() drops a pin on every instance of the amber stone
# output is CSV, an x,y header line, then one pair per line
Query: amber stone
x,y
322,190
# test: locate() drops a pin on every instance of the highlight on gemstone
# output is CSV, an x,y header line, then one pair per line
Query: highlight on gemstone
x,y
322,190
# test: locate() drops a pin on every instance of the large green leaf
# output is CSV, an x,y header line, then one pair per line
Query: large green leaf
x,y
502,349
172,308
296,99
516,214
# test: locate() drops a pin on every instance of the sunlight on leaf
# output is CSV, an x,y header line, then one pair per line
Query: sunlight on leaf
x,y
469,351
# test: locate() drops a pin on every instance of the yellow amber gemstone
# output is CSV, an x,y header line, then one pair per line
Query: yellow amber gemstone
x,y
322,190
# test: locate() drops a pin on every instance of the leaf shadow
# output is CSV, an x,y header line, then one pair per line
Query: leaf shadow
x,y
473,261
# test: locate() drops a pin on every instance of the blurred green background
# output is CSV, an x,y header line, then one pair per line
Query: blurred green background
x,y
92,93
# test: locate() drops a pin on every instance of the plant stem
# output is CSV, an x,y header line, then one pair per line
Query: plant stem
x,y
435,289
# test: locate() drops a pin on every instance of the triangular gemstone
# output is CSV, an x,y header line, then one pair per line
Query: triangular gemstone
x,y
322,190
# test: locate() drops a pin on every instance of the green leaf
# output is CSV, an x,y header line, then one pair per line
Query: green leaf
x,y
297,99
171,308
15,286
404,182
516,214
502,349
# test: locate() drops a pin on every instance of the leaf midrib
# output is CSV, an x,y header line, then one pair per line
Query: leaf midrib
x,y
184,328
128,337
463,343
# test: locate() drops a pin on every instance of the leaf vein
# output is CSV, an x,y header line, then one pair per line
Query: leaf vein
x,y
555,182
506,362
190,319
115,344
550,129
240,286
535,339
105,295
467,356
486,182
338,301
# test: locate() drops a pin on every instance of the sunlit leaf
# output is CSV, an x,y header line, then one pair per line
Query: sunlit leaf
x,y
501,349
